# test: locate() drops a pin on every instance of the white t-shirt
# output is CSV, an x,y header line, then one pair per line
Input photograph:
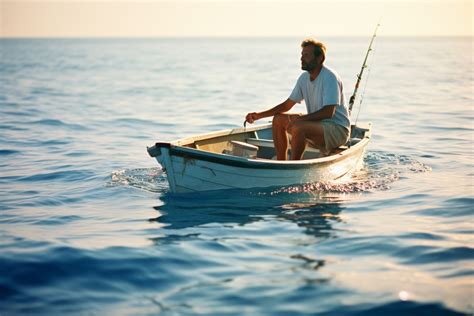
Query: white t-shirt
x,y
326,89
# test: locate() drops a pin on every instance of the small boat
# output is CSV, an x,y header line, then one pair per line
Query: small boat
x,y
243,158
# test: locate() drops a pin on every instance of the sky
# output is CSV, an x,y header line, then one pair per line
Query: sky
x,y
228,18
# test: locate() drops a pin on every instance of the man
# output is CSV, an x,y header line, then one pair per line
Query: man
x,y
327,124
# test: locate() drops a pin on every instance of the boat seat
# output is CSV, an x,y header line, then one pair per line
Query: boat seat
x,y
260,142
269,143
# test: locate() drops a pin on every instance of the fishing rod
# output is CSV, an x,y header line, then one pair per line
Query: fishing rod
x,y
364,65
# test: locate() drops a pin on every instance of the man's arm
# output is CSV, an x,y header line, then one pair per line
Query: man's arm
x,y
326,112
280,108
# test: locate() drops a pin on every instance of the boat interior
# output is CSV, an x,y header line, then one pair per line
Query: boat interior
x,y
259,144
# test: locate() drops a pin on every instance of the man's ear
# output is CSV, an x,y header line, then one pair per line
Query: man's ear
x,y
319,59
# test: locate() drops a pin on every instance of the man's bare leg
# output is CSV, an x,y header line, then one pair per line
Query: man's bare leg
x,y
300,132
280,126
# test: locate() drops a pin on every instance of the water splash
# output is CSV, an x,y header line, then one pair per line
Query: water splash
x,y
380,170
149,179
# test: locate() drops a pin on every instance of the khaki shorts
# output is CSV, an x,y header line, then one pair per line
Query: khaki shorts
x,y
335,135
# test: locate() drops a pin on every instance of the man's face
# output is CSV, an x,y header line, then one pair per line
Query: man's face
x,y
308,61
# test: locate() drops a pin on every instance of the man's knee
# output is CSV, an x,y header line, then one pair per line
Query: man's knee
x,y
280,119
281,122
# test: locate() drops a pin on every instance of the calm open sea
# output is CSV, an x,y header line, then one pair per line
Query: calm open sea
x,y
88,225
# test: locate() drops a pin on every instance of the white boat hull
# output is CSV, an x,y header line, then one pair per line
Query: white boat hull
x,y
191,169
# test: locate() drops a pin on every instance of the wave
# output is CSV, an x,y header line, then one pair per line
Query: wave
x,y
7,127
139,122
405,308
7,152
55,270
427,254
70,176
59,123
453,207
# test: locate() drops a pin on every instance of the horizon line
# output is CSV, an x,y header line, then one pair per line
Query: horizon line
x,y
229,36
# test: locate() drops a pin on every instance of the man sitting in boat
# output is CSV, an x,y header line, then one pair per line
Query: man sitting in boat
x,y
327,124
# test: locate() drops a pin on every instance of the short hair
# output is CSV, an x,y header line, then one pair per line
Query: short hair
x,y
318,47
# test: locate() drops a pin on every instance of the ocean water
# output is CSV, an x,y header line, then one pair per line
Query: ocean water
x,y
88,225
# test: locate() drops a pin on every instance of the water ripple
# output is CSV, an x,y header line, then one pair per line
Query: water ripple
x,y
454,207
6,152
67,176
427,255
59,123
403,308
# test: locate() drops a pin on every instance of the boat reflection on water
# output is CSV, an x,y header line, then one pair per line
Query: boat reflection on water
x,y
316,212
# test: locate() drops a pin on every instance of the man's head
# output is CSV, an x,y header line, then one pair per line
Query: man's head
x,y
313,54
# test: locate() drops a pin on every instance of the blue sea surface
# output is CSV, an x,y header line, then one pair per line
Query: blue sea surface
x,y
88,224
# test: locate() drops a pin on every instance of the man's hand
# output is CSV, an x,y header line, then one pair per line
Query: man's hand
x,y
251,117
